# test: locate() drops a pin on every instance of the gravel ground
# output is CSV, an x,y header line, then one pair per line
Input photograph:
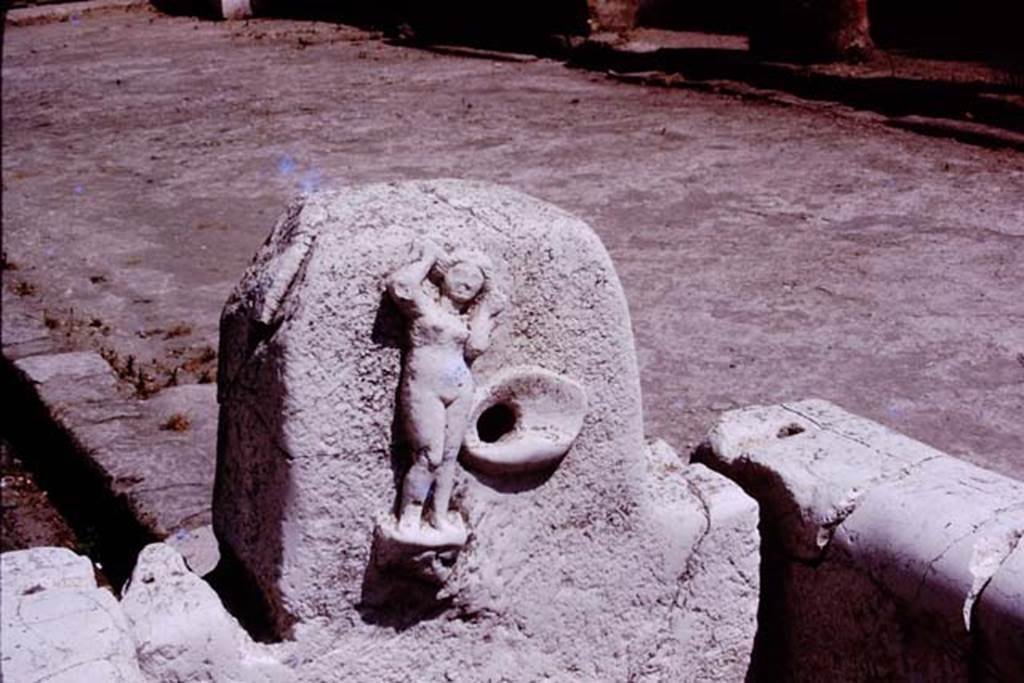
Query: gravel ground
x,y
29,518
768,252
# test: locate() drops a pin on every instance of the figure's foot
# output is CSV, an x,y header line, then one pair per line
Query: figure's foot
x,y
409,525
449,523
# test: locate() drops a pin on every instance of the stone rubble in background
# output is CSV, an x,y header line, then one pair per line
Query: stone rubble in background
x,y
170,626
57,625
182,631
887,558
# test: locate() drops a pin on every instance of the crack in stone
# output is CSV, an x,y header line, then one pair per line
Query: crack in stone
x,y
432,191
690,569
829,527
977,590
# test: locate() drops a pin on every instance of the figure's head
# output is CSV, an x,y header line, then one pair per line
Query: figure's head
x,y
462,282
462,275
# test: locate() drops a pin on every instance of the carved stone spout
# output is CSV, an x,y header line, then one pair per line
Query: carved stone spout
x,y
524,420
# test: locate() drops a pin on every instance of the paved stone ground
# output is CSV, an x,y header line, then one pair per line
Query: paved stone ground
x,y
769,252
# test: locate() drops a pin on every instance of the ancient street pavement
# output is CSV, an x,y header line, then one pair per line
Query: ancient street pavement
x,y
768,252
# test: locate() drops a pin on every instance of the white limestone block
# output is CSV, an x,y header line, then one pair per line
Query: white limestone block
x,y
576,571
777,454
57,625
715,610
182,630
934,537
29,571
881,548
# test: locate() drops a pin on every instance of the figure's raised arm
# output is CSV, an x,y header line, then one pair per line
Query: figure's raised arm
x,y
405,285
482,323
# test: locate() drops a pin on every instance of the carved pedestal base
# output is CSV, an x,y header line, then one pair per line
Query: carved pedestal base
x,y
425,552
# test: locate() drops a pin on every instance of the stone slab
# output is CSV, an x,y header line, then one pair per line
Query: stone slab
x,y
879,548
157,454
809,463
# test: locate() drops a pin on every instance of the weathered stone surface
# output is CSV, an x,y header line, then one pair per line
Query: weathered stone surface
x,y
57,625
165,474
715,612
182,631
28,571
198,547
775,453
880,547
310,362
24,331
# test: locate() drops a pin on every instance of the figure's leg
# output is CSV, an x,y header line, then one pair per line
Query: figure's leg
x,y
457,416
424,417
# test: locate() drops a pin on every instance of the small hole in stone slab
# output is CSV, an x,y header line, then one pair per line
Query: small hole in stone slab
x,y
790,430
495,422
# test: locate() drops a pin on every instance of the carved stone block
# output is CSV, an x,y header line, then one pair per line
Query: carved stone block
x,y
553,554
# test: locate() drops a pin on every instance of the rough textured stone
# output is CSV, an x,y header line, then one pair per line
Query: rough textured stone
x,y
182,631
27,571
806,497
879,549
198,547
715,619
57,625
310,362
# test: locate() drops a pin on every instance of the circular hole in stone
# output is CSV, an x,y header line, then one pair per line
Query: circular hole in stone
x,y
495,422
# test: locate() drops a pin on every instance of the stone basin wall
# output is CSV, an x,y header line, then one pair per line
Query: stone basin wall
x,y
883,558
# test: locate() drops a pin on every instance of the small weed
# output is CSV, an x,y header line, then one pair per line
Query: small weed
x,y
178,330
50,321
144,385
23,288
178,422
127,370
199,358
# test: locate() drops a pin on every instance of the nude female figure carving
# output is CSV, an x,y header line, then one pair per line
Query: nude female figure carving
x,y
450,302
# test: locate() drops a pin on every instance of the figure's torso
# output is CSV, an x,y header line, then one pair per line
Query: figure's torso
x,y
436,358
